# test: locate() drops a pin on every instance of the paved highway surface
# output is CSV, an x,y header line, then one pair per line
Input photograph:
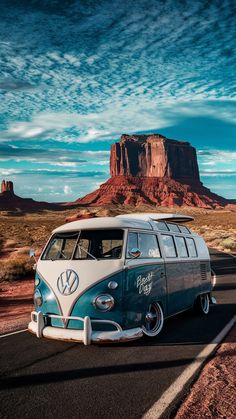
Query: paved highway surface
x,y
50,379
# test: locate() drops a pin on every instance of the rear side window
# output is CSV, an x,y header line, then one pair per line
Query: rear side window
x,y
181,247
173,227
146,243
184,229
161,225
169,246
191,247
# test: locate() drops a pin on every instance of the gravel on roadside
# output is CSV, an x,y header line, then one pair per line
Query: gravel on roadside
x,y
214,393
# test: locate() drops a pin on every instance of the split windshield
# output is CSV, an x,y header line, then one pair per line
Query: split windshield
x,y
85,244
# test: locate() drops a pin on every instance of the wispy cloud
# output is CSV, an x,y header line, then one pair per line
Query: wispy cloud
x,y
115,61
110,123
149,66
219,174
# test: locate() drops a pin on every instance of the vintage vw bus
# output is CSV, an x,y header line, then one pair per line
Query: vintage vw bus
x,y
116,279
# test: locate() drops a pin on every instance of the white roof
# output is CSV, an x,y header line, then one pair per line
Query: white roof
x,y
152,216
104,222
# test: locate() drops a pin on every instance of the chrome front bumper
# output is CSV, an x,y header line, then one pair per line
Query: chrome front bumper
x,y
86,336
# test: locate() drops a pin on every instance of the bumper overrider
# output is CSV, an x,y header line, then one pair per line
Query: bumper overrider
x,y
86,336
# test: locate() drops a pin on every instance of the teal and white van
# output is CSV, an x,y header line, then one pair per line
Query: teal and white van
x,y
116,279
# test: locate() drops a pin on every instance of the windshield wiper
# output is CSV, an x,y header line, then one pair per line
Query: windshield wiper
x,y
86,251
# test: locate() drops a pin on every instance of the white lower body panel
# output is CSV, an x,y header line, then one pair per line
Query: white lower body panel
x,y
86,336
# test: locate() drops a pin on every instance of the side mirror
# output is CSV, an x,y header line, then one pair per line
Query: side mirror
x,y
31,253
135,252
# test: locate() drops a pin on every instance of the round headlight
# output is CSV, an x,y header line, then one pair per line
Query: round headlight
x,y
36,281
38,301
104,302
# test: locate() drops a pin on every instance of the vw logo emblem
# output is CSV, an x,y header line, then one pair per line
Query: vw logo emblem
x,y
67,282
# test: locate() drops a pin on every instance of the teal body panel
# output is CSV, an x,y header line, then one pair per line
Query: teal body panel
x,y
175,286
184,284
142,285
50,304
192,282
84,305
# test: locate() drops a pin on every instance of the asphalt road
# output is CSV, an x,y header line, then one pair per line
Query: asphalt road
x,y
50,379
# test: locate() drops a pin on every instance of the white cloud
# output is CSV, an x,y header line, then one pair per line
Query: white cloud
x,y
8,172
218,175
121,117
63,164
103,162
213,157
67,190
209,163
218,171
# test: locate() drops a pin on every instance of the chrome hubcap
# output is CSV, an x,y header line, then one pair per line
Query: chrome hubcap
x,y
150,316
153,320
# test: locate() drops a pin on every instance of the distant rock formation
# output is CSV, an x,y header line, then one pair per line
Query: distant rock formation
x,y
153,170
154,156
11,202
7,186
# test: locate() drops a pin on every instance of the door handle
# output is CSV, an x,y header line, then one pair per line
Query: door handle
x,y
162,274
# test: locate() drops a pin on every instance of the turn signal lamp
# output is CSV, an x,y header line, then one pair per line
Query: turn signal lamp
x,y
38,300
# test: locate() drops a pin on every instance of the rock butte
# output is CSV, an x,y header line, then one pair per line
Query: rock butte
x,y
11,202
7,186
153,170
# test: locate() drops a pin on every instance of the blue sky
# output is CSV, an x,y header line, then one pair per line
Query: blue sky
x,y
75,75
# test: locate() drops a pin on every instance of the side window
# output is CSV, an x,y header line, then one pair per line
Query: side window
x,y
173,227
161,225
132,243
181,247
191,247
148,246
184,229
169,246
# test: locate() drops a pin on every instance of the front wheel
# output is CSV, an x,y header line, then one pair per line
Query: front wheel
x,y
202,304
154,320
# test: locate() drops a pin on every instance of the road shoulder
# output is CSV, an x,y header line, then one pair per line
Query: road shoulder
x,y
213,394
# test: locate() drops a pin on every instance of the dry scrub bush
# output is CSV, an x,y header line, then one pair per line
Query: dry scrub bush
x,y
229,244
9,244
15,268
23,251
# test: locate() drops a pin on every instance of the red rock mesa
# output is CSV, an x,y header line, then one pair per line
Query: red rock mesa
x,y
153,170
